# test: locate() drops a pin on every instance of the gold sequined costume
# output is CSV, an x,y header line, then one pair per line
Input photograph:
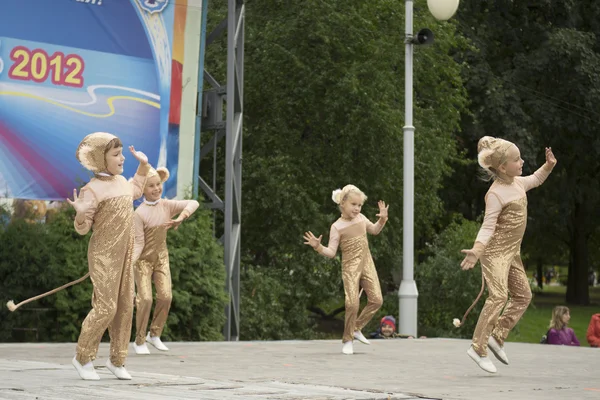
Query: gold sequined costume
x,y
498,246
358,269
110,251
151,259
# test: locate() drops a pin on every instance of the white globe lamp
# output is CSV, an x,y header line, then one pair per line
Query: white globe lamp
x,y
442,10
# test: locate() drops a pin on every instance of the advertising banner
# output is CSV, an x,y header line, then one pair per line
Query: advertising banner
x,y
72,67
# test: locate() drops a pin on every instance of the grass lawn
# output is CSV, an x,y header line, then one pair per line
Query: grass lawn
x,y
535,322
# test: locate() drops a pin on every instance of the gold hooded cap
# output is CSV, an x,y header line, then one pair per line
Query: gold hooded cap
x,y
91,151
161,172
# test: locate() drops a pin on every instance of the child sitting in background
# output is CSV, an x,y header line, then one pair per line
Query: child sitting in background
x,y
559,333
387,330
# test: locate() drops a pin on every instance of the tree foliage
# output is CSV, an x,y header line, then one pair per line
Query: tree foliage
x,y
324,97
35,258
534,80
446,291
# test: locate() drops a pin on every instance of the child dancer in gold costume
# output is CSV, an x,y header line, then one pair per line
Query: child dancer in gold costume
x,y
358,270
105,205
498,247
151,258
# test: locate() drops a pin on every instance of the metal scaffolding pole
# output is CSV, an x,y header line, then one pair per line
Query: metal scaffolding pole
x,y
231,95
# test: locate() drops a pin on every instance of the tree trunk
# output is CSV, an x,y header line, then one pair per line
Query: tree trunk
x,y
540,273
577,285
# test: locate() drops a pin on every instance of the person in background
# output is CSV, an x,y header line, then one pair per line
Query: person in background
x,y
593,331
559,332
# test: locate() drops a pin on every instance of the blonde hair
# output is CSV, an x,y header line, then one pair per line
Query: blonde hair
x,y
556,322
491,154
341,195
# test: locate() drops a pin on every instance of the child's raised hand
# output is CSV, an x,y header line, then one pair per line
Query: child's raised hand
x,y
79,204
312,240
383,209
470,259
138,155
550,159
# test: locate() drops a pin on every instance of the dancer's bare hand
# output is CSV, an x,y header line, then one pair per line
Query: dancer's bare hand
x,y
470,259
550,159
79,203
383,209
312,240
174,223
138,155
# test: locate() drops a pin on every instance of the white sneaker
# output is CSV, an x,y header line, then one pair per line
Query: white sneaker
x,y
87,371
498,350
360,337
119,372
484,362
155,341
142,349
347,347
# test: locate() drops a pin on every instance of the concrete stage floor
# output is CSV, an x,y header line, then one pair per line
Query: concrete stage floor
x,y
388,369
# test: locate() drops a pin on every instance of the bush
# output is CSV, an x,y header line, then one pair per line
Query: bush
x,y
446,291
198,276
262,311
35,258
273,307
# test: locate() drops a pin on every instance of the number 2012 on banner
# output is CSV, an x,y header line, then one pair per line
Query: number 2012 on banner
x,y
36,65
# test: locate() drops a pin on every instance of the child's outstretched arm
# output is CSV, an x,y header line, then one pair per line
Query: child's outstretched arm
x,y
139,180
85,205
315,242
539,176
375,228
493,206
185,208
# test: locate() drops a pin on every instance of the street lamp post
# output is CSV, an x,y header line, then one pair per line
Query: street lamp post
x,y
408,293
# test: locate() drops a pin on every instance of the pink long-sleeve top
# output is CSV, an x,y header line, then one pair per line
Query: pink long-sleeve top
x,y
100,189
347,229
498,196
150,235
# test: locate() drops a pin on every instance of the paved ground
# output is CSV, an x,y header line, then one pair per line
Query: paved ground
x,y
388,369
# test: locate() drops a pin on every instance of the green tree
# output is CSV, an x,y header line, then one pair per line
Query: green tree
x,y
565,124
446,291
324,84
35,258
534,80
